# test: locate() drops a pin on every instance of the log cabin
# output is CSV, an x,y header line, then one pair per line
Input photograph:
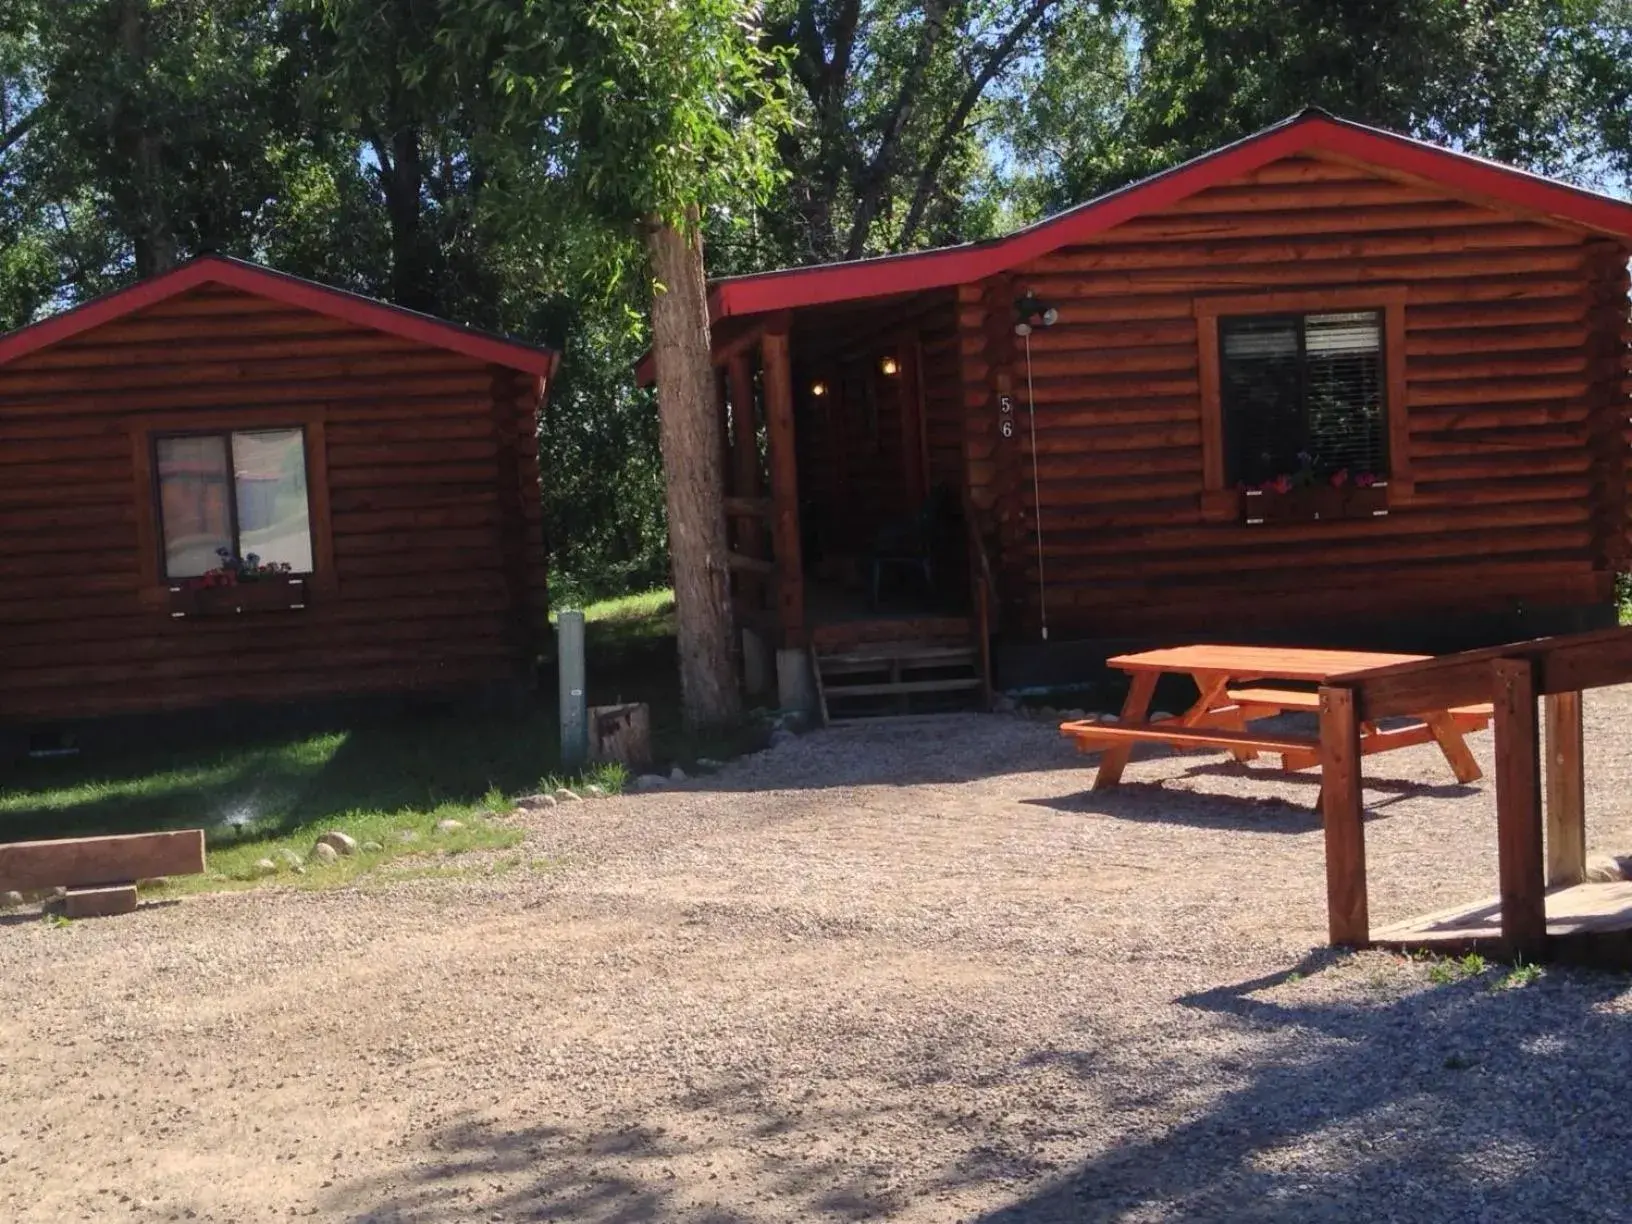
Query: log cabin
x,y
1327,384
226,484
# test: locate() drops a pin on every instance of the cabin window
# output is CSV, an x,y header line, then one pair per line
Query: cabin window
x,y
1303,389
233,494
1303,397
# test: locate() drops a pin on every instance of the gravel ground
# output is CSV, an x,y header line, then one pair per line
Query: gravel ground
x,y
916,974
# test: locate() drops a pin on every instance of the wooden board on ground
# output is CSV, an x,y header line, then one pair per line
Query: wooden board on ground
x,y
101,902
84,862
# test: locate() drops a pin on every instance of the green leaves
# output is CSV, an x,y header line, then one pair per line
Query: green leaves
x,y
641,107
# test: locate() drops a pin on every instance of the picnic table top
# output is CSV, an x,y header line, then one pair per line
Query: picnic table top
x,y
1248,662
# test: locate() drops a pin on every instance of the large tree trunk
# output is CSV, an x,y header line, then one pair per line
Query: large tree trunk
x,y
402,178
690,422
152,238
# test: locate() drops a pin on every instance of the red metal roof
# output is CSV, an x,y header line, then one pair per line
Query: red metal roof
x,y
291,291
1313,131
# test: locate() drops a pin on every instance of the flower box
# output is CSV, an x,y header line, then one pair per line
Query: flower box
x,y
261,595
1314,502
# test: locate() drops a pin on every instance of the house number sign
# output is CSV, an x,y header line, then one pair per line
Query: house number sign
x,y
1005,408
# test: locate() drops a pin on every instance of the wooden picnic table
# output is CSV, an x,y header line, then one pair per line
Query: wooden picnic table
x,y
1237,685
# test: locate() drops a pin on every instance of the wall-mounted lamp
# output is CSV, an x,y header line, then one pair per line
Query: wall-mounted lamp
x,y
818,388
889,367
1032,313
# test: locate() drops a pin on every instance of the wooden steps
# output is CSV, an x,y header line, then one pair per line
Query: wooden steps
x,y
894,679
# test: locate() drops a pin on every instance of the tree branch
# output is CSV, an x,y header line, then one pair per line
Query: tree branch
x,y
874,177
955,123
21,128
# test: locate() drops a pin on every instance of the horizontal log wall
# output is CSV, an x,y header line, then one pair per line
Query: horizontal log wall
x,y
432,489
1514,398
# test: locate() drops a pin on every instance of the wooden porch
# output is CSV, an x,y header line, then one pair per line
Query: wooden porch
x,y
1588,924
802,515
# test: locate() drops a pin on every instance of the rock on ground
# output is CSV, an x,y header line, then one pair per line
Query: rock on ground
x,y
323,853
449,825
342,843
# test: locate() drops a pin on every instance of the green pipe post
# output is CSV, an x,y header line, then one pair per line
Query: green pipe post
x,y
569,631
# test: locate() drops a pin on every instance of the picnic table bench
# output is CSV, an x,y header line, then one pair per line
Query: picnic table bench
x,y
1241,684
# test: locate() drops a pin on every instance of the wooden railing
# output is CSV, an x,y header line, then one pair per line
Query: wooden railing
x,y
985,587
1511,677
755,603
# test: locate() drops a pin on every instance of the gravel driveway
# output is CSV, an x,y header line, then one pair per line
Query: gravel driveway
x,y
915,974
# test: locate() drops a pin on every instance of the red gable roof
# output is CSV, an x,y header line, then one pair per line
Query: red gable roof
x,y
291,291
1313,131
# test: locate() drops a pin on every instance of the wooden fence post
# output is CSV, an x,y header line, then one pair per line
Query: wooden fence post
x,y
1518,808
1343,811
1566,791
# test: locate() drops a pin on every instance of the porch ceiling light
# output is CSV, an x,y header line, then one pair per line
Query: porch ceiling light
x,y
889,366
818,388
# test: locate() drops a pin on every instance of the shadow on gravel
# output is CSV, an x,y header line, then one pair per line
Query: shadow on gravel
x,y
1154,803
629,1172
1470,1100
1162,803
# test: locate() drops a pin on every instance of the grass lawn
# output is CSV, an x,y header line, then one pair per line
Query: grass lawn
x,y
376,780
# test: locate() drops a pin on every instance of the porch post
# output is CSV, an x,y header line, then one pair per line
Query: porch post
x,y
790,575
792,668
745,451
749,533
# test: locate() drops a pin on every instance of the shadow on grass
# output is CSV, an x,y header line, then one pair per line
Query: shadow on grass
x,y
1463,1100
199,771
269,784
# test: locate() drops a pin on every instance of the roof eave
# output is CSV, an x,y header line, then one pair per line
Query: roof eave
x,y
289,290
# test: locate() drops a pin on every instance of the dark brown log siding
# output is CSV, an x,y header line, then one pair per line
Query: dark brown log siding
x,y
438,577
1515,412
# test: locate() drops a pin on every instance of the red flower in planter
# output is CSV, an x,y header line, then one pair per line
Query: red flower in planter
x,y
1340,478
1281,483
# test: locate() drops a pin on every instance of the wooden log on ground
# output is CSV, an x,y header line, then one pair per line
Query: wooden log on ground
x,y
622,734
84,862
103,902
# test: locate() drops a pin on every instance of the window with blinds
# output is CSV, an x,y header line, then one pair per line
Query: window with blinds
x,y
1302,394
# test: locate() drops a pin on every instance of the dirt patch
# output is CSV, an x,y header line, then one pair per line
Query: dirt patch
x,y
916,974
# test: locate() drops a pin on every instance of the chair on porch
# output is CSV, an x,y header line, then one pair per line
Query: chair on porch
x,y
908,544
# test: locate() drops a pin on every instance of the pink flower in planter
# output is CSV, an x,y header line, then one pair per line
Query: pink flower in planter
x,y
1365,480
